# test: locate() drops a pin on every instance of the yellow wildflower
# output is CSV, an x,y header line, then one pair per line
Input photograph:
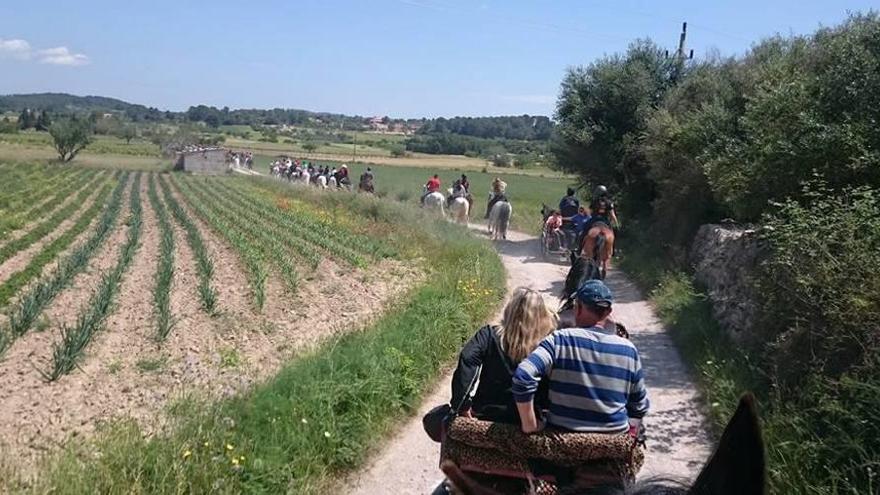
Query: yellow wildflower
x,y
229,447
186,454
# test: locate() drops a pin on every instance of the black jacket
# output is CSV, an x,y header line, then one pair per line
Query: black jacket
x,y
494,399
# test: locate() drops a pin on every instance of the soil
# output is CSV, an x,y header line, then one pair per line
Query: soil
x,y
678,443
21,259
128,374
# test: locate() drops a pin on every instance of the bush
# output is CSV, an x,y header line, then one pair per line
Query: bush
x,y
398,151
821,284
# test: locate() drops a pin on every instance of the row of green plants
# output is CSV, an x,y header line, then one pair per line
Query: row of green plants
x,y
204,263
35,299
260,225
164,265
273,242
325,411
35,266
74,339
249,253
332,238
27,205
84,188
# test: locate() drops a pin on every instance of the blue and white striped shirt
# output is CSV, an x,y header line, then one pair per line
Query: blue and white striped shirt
x,y
596,380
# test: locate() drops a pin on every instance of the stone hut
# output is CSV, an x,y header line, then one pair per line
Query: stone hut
x,y
202,161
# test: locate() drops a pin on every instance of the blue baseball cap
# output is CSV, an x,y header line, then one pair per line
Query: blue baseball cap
x,y
595,293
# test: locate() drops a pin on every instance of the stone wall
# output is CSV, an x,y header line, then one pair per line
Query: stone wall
x,y
205,162
725,258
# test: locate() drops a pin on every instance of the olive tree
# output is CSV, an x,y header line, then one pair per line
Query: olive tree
x,y
69,137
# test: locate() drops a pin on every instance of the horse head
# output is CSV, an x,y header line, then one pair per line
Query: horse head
x,y
737,467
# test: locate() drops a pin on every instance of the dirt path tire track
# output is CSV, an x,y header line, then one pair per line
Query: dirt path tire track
x,y
678,443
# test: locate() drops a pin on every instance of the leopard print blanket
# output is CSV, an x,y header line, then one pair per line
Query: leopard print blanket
x,y
503,449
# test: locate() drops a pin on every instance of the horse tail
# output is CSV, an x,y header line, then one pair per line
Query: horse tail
x,y
573,279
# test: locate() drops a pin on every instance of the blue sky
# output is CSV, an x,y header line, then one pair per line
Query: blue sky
x,y
404,58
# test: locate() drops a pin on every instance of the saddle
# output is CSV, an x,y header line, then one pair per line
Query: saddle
x,y
504,450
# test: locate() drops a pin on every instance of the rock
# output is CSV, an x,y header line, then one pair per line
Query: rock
x,y
725,259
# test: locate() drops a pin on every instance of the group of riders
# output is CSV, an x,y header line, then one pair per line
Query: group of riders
x,y
568,227
461,188
322,176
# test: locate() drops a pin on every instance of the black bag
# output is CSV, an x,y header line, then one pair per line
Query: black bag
x,y
435,421
438,418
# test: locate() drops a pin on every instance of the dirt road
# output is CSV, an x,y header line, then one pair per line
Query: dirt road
x,y
677,440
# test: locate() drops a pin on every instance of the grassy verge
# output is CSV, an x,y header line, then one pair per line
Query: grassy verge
x,y
325,411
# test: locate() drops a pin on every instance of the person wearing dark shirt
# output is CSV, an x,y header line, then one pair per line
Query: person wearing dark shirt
x,y
493,354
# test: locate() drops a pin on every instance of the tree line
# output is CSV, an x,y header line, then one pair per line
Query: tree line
x,y
786,137
522,127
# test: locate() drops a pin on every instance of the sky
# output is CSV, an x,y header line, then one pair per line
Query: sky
x,y
402,58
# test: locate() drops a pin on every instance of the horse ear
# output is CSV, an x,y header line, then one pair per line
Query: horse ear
x,y
738,464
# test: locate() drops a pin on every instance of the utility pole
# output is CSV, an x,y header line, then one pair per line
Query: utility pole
x,y
680,54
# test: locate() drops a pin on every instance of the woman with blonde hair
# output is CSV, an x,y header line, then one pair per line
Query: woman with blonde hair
x,y
491,356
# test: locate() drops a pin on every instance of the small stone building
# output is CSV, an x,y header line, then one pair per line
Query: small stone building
x,y
202,161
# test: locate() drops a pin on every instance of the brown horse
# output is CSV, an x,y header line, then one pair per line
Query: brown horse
x,y
598,245
736,468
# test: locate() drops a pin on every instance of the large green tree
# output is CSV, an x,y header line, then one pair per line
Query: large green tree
x,y
69,137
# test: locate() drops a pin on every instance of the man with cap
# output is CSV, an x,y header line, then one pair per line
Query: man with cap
x,y
595,377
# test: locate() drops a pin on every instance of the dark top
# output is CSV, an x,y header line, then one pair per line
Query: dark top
x,y
568,206
494,399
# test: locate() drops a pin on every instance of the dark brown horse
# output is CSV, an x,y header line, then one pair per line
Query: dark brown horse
x,y
736,468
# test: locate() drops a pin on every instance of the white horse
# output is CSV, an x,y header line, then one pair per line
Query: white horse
x,y
305,177
460,209
435,201
499,220
331,182
322,181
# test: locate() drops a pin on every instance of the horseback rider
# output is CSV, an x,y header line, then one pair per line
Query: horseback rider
x,y
602,208
366,181
342,176
432,186
568,207
596,379
499,189
458,191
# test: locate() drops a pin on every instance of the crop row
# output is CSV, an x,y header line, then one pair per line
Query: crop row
x,y
260,225
317,238
75,339
35,299
164,266
250,254
21,182
30,204
204,264
317,228
51,224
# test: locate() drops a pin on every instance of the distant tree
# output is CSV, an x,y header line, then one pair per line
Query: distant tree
x,y
26,119
310,146
44,121
69,137
212,120
127,132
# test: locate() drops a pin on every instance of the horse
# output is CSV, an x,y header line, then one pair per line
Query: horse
x,y
499,220
331,182
460,208
322,181
738,466
435,201
598,244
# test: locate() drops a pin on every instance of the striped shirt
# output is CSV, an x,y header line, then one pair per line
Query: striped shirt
x,y
596,380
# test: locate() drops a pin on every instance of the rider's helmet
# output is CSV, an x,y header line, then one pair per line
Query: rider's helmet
x,y
601,191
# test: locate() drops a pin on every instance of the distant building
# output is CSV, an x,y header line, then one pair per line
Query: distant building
x,y
378,124
202,161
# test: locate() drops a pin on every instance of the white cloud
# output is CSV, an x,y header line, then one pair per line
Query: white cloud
x,y
22,50
61,55
18,49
